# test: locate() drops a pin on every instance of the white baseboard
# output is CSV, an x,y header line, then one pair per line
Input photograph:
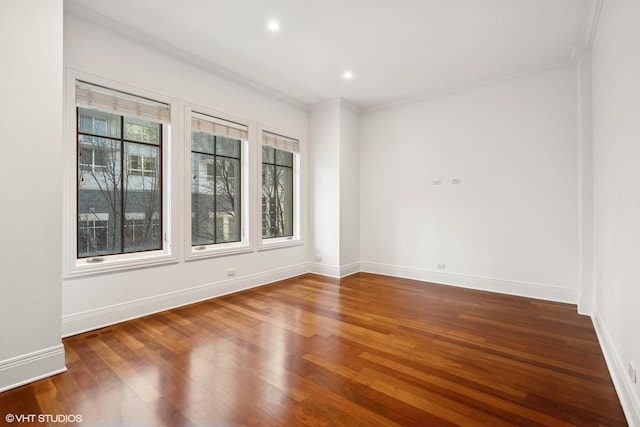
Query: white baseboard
x,y
511,287
585,305
349,269
627,394
31,367
334,270
76,323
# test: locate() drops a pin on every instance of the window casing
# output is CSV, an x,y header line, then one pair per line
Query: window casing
x,y
218,185
120,196
279,190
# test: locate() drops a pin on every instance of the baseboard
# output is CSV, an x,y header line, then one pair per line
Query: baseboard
x,y
627,394
76,323
585,305
335,271
31,367
511,287
349,269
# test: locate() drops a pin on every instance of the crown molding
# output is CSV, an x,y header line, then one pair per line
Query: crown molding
x,y
465,88
86,15
336,103
592,18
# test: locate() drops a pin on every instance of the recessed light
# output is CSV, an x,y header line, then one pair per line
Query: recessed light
x,y
348,75
273,25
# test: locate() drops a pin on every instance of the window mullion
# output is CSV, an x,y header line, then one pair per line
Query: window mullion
x,y
215,190
123,200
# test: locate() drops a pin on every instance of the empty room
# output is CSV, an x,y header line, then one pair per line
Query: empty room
x,y
342,212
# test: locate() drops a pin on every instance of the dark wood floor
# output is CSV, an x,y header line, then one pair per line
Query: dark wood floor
x,y
366,350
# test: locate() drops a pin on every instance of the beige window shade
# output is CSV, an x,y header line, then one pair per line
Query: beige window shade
x,y
216,126
105,99
280,142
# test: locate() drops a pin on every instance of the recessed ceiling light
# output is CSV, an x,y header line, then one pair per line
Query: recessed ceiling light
x,y
348,75
273,25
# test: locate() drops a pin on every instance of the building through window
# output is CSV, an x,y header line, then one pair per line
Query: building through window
x,y
278,185
119,173
216,185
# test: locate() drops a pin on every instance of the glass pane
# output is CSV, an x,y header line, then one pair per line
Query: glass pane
x,y
227,147
267,154
269,228
202,200
98,123
99,197
202,142
227,200
141,130
284,158
142,228
285,201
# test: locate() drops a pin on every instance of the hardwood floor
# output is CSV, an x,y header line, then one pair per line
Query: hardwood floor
x,y
365,350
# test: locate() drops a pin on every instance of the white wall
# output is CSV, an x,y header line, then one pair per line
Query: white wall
x,y
616,135
324,138
89,302
30,189
585,182
511,223
335,188
349,189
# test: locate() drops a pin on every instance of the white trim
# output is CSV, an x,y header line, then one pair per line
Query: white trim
x,y
453,90
585,305
324,269
73,267
349,269
31,367
76,323
542,291
629,398
338,272
592,18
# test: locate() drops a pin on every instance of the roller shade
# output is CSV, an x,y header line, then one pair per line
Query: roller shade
x,y
217,126
280,142
104,99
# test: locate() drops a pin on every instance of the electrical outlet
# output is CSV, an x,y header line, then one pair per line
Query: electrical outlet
x,y
231,272
455,181
437,182
633,373
441,266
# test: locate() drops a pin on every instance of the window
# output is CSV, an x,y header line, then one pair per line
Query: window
x,y
120,140
279,159
218,189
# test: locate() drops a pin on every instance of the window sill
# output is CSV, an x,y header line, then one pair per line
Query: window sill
x,y
212,251
280,242
114,263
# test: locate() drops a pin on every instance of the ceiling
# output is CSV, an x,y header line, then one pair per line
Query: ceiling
x,y
397,49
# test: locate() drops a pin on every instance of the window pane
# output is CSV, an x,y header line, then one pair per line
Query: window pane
x,y
142,198
269,224
98,123
141,130
202,199
227,201
99,197
202,142
284,158
285,201
267,154
227,147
